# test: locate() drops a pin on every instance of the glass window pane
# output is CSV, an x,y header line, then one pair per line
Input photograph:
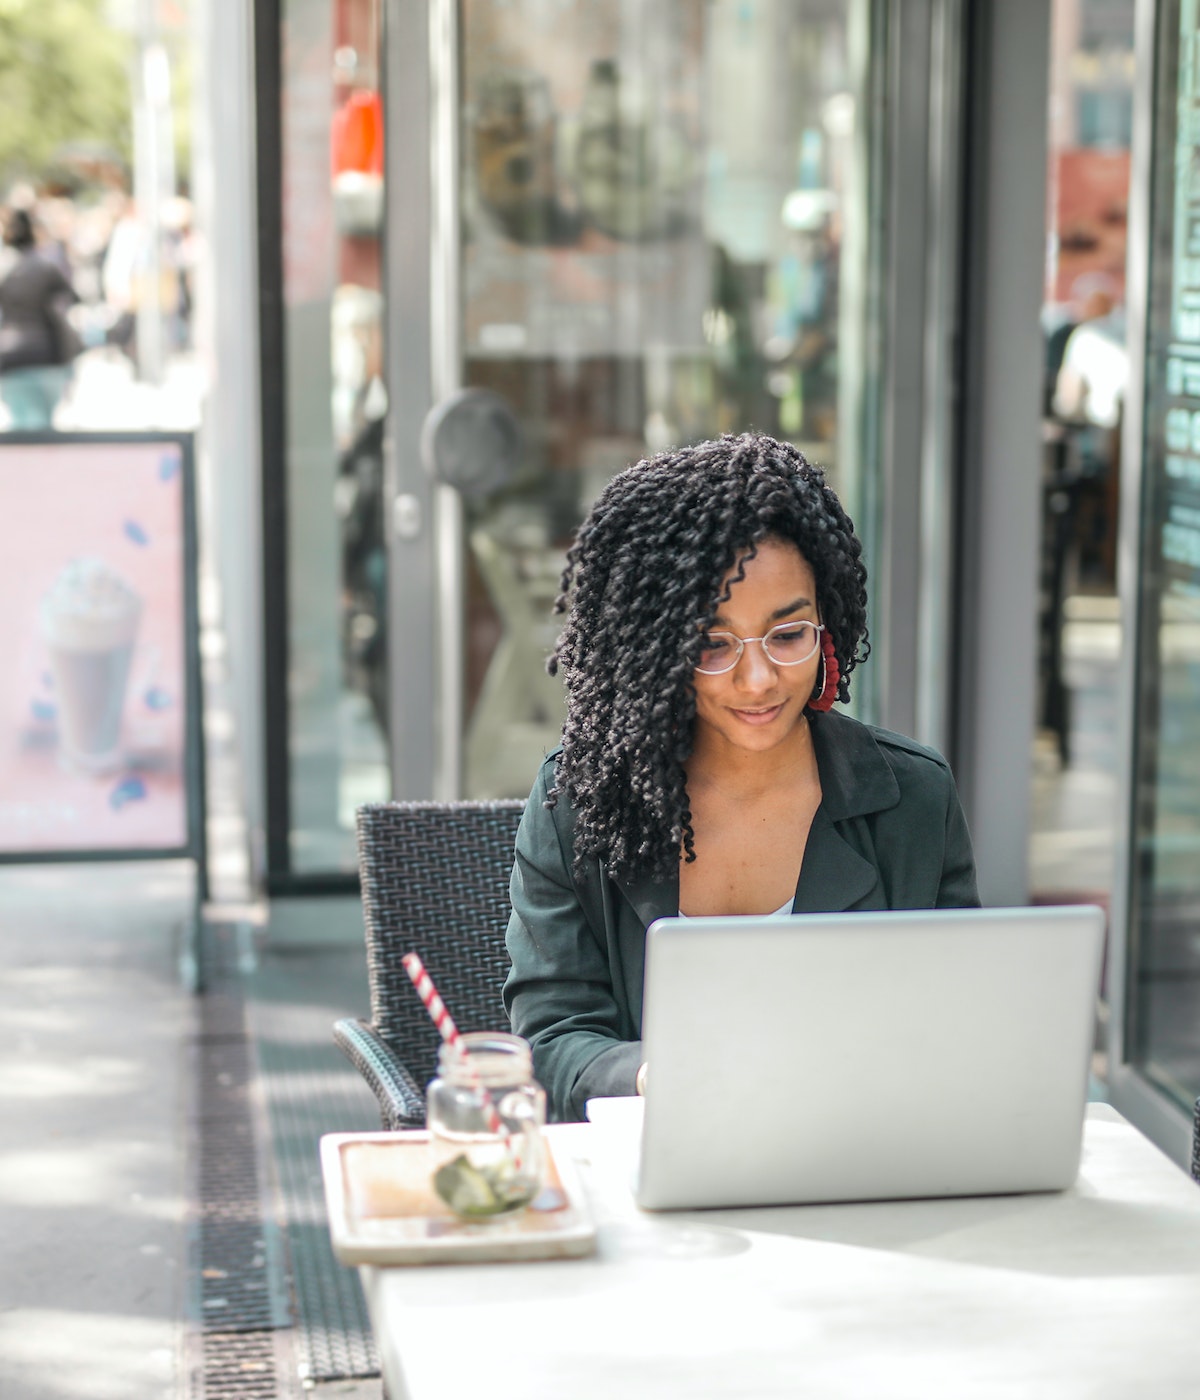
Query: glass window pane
x,y
334,400
1085,362
665,224
1163,1011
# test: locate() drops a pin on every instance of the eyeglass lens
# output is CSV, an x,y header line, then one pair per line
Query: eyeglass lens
x,y
786,645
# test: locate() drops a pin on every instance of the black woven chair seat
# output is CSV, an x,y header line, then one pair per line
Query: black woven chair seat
x,y
434,882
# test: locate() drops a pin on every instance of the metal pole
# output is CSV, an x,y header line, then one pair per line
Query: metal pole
x,y
446,375
153,167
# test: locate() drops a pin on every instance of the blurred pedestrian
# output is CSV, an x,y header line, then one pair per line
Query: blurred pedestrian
x,y
123,276
37,341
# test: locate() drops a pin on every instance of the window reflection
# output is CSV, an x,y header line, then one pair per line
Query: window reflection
x,y
1163,971
1085,369
653,201
334,408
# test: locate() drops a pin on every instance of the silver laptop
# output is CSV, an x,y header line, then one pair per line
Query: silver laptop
x,y
849,1057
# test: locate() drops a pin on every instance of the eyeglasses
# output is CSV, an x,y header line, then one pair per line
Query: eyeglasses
x,y
788,644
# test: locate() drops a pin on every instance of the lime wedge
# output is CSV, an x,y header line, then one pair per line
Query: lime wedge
x,y
465,1189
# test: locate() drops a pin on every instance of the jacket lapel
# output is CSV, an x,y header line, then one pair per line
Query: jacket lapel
x,y
855,777
856,780
651,899
833,876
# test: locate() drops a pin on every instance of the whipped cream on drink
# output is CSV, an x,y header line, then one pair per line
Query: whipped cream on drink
x,y
89,622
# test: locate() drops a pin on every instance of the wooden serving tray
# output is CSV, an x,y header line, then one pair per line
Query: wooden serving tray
x,y
383,1210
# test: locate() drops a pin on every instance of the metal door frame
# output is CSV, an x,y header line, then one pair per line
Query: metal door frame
x,y
991,649
419,287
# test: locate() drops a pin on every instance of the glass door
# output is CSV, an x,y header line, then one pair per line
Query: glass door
x,y
1155,1044
321,203
648,224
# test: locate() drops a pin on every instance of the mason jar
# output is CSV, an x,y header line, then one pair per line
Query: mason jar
x,y
485,1113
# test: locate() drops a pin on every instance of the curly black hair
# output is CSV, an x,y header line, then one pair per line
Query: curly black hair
x,y
643,578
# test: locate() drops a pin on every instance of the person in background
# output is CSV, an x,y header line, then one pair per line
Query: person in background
x,y
123,276
716,609
37,341
1090,384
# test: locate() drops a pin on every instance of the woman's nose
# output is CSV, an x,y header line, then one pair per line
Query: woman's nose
x,y
755,668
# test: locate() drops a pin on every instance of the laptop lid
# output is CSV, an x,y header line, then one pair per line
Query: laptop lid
x,y
866,1056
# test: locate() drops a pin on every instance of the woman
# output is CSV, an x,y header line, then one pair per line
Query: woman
x,y
37,342
716,609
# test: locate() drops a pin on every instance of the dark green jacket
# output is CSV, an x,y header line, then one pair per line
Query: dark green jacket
x,y
889,834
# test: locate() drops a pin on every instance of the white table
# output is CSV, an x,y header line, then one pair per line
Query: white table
x,y
1089,1294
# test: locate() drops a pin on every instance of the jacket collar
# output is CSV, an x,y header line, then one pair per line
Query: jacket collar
x,y
856,779
855,776
652,899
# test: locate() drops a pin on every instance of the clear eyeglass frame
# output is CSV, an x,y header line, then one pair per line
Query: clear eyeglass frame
x,y
782,629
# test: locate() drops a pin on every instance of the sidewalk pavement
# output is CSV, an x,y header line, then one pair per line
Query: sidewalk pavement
x,y
99,1115
92,1100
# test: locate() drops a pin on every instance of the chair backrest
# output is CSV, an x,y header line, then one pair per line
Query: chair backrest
x,y
435,882
1196,1141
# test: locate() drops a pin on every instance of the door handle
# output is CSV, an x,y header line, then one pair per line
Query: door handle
x,y
406,516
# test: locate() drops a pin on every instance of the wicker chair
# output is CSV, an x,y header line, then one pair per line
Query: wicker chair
x,y
1196,1142
435,882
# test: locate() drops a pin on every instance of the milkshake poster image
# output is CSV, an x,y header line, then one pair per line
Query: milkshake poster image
x,y
93,702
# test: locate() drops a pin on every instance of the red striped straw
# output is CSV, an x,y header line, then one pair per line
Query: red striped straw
x,y
442,1019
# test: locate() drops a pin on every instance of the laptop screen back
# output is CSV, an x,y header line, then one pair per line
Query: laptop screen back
x,y
866,1056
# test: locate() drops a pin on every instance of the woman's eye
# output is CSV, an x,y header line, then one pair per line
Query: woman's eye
x,y
714,646
797,637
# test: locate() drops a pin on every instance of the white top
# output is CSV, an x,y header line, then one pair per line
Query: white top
x,y
1088,1294
1095,371
784,909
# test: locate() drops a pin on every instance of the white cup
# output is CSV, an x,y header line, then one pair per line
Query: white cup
x,y
89,622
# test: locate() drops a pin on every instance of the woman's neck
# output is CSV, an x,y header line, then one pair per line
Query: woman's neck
x,y
741,776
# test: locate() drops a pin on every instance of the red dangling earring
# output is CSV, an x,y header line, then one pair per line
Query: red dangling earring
x,y
825,694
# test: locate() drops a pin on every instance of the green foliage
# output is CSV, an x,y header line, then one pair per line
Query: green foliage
x,y
64,80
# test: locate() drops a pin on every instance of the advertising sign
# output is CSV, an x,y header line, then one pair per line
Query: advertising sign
x,y
100,741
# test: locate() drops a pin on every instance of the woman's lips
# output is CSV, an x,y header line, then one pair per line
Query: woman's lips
x,y
758,716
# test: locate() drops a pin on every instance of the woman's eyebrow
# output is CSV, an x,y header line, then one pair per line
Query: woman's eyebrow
x,y
797,606
786,611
